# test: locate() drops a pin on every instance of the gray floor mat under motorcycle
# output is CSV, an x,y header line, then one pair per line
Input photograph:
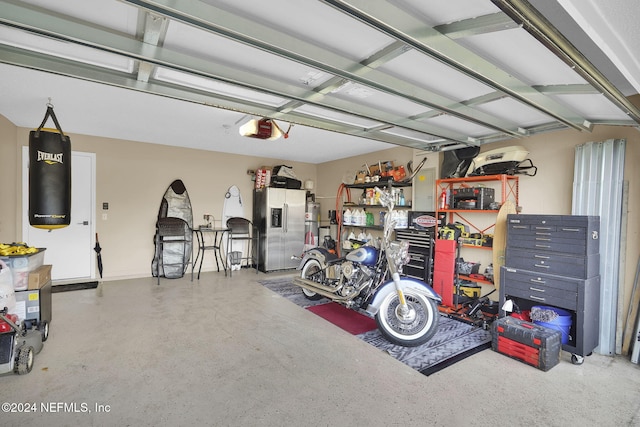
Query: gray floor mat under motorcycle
x,y
452,342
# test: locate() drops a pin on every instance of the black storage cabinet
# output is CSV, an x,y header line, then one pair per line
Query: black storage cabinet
x,y
420,251
554,260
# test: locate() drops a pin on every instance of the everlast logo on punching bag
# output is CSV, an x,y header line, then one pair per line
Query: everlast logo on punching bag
x,y
49,176
49,158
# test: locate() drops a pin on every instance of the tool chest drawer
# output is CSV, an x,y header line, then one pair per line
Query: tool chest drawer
x,y
579,267
543,288
417,266
574,234
418,260
550,242
416,238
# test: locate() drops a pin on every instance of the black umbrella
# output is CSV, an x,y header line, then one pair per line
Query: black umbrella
x,y
98,249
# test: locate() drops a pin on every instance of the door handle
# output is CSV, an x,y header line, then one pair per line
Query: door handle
x,y
285,220
83,223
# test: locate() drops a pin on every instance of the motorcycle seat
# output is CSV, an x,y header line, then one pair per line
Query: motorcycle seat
x,y
335,260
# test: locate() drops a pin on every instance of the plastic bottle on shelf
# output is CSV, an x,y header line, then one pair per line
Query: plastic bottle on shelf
x,y
402,201
362,217
346,243
347,218
370,219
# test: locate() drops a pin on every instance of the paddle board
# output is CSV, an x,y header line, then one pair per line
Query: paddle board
x,y
233,207
175,257
500,239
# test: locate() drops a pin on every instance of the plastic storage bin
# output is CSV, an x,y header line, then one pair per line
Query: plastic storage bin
x,y
561,323
22,265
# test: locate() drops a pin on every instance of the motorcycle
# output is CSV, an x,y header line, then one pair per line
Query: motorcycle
x,y
368,280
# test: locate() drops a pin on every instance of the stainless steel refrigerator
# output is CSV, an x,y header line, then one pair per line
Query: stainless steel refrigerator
x,y
279,214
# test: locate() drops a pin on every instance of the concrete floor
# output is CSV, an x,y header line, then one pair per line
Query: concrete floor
x,y
228,352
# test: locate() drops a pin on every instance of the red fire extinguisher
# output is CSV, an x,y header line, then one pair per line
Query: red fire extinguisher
x,y
443,200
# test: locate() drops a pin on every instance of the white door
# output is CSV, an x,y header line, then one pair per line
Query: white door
x,y
68,249
424,185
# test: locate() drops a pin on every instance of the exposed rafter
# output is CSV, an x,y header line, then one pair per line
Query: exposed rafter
x,y
526,15
402,26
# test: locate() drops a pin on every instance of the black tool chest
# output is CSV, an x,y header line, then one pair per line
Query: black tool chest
x,y
420,250
554,260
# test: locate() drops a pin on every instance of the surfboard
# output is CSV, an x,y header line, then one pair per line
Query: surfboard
x,y
175,203
233,207
500,239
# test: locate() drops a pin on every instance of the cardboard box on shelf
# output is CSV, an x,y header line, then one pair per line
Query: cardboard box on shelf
x,y
39,276
381,168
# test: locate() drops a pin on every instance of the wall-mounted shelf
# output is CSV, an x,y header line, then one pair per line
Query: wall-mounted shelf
x,y
370,227
508,190
380,184
377,206
482,221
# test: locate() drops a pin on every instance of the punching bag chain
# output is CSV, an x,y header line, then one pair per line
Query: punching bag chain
x,y
51,114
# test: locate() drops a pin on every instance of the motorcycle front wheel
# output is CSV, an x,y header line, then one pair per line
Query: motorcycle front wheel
x,y
411,327
312,271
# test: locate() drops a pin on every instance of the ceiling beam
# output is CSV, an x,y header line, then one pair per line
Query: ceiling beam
x,y
538,26
402,26
221,22
71,30
153,31
70,68
475,26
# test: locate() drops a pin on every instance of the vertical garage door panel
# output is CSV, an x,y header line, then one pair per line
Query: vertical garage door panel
x,y
598,190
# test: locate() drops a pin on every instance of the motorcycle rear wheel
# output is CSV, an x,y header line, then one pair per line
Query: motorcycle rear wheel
x,y
413,328
312,271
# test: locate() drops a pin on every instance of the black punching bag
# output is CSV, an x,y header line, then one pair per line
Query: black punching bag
x,y
49,176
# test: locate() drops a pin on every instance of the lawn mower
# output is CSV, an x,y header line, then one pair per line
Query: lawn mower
x,y
19,343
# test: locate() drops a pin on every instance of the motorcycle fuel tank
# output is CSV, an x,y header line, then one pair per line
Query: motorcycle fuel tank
x,y
366,255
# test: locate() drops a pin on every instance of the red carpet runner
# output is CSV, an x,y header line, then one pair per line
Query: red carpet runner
x,y
346,319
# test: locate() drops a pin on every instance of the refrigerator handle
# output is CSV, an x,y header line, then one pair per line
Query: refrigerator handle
x,y
285,219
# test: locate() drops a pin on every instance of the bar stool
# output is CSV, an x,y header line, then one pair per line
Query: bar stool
x,y
242,230
173,236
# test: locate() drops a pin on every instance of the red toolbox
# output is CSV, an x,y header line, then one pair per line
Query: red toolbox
x,y
530,343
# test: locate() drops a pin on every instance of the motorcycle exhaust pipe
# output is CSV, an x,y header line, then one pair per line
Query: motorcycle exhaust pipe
x,y
325,291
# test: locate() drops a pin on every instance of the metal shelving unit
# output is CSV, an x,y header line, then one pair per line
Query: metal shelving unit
x,y
506,188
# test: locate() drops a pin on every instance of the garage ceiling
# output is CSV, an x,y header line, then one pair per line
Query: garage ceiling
x,y
351,76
